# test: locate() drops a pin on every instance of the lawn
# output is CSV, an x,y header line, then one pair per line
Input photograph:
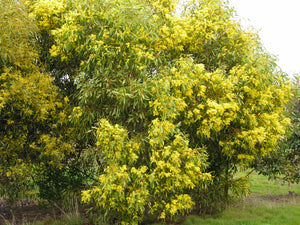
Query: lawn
x,y
270,202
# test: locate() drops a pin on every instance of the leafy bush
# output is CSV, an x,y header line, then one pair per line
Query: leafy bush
x,y
284,163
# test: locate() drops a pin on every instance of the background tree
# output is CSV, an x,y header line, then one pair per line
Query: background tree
x,y
284,162
33,136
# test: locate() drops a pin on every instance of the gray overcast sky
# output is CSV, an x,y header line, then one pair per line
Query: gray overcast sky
x,y
278,23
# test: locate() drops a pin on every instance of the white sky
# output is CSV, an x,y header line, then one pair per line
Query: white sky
x,y
278,23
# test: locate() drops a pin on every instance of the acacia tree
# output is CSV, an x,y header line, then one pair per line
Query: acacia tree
x,y
177,100
32,112
284,162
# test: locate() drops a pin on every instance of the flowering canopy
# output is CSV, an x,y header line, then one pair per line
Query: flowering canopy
x,y
32,113
177,98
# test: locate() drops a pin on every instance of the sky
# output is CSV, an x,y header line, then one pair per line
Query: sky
x,y
278,25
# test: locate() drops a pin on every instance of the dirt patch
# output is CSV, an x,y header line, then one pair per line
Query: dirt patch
x,y
24,212
30,212
276,198
269,200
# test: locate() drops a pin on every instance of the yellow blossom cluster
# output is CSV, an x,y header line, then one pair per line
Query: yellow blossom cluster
x,y
123,187
31,109
29,103
16,29
159,184
48,12
213,102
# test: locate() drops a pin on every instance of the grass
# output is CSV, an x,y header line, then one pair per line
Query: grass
x,y
75,219
288,215
268,204
252,215
260,185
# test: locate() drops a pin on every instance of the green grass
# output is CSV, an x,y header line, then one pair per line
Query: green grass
x,y
268,204
69,220
253,215
260,185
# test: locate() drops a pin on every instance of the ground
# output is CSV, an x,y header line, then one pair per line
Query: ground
x,y
29,212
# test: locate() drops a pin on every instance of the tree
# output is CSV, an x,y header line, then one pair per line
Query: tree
x,y
167,102
284,162
13,30
32,113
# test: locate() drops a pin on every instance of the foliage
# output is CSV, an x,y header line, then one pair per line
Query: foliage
x,y
159,185
16,30
284,163
33,115
167,106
